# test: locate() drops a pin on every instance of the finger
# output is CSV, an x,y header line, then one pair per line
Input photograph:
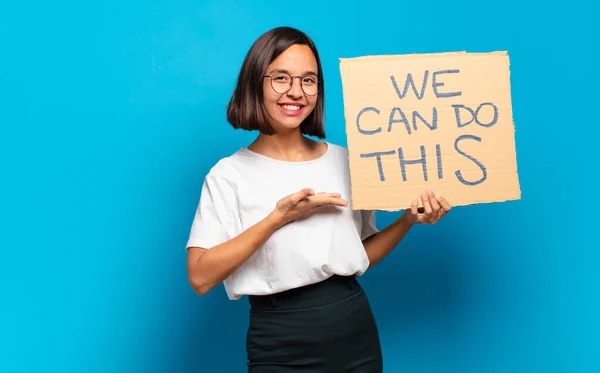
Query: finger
x,y
445,204
414,207
435,206
328,199
300,195
426,205
334,195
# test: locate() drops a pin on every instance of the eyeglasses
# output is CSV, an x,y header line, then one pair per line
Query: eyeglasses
x,y
282,83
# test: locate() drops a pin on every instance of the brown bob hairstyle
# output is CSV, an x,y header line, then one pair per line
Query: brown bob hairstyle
x,y
246,109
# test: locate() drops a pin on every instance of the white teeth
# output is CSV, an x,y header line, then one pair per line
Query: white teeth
x,y
290,107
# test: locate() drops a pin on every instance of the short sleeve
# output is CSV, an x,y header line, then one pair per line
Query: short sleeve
x,y
214,220
369,226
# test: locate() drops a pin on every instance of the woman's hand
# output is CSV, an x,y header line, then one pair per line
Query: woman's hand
x,y
434,208
303,202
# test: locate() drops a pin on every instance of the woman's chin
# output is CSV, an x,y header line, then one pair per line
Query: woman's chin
x,y
288,125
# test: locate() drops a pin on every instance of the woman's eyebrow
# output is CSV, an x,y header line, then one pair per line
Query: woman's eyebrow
x,y
308,72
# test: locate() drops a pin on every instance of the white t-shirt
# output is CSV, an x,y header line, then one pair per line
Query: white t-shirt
x,y
242,189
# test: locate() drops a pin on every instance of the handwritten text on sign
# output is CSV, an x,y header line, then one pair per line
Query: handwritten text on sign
x,y
439,121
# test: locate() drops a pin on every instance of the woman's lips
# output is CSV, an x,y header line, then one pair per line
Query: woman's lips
x,y
291,110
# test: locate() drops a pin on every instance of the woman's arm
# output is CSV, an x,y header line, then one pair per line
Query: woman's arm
x,y
208,268
379,245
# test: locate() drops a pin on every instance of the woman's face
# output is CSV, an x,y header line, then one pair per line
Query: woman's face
x,y
287,110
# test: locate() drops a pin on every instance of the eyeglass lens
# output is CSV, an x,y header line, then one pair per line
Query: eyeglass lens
x,y
282,83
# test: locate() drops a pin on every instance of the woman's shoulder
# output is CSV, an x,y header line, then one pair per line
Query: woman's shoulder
x,y
227,167
340,149
338,152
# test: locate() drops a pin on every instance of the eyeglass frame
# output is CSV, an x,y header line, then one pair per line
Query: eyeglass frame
x,y
292,83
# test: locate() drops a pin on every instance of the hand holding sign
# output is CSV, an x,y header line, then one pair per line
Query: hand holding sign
x,y
435,207
437,121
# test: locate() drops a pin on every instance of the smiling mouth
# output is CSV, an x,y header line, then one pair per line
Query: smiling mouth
x,y
291,109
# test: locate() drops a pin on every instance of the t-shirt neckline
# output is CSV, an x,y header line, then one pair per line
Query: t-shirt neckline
x,y
258,155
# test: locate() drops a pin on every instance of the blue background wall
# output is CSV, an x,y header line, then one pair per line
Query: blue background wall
x,y
112,112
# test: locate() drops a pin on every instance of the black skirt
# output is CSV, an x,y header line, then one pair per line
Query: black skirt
x,y
325,327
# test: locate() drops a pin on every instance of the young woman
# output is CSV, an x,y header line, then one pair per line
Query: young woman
x,y
274,222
